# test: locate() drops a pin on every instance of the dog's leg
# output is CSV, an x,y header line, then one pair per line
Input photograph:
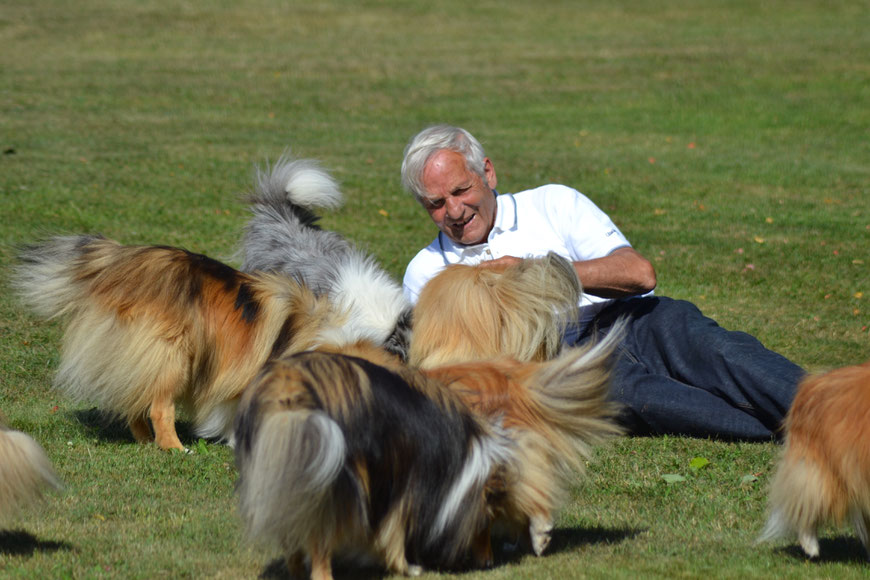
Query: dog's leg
x,y
296,565
861,523
390,541
809,541
540,527
163,419
481,548
140,429
321,564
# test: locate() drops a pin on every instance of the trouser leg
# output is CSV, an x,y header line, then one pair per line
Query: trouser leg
x,y
680,372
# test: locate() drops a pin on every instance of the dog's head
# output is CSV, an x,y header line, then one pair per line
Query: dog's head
x,y
470,312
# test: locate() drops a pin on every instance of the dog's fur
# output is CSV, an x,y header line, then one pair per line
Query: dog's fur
x,y
25,471
340,457
824,472
283,236
558,410
471,312
150,326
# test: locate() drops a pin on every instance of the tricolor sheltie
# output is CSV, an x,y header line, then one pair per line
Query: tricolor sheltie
x,y
470,312
283,237
25,471
151,326
552,413
341,457
824,472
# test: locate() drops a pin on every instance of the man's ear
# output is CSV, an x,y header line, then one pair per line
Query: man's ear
x,y
489,172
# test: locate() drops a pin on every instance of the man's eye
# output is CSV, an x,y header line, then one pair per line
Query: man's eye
x,y
435,204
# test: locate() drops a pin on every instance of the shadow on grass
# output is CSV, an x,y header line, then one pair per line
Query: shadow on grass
x,y
839,550
563,540
566,539
21,543
110,429
277,570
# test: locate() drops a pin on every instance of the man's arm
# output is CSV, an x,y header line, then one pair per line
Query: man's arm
x,y
623,272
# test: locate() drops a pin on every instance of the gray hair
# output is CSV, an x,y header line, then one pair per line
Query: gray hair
x,y
434,139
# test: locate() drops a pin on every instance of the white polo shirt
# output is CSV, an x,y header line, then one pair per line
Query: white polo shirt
x,y
528,225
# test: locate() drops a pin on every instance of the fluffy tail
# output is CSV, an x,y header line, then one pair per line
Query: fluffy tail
x,y
25,471
287,469
283,236
572,394
47,277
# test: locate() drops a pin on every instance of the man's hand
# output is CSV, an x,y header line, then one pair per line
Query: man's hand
x,y
503,262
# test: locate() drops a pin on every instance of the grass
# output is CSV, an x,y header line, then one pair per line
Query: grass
x,y
727,139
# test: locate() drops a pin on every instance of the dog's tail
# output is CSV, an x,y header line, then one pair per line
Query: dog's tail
x,y
279,236
572,393
49,275
297,182
283,236
25,471
288,460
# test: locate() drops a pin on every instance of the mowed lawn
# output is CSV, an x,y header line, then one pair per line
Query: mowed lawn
x,y
729,140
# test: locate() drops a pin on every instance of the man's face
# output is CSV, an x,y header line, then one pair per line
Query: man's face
x,y
459,201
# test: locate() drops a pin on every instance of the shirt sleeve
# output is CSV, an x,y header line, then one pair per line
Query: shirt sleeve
x,y
587,231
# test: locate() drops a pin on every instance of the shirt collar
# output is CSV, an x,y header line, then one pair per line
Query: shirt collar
x,y
505,220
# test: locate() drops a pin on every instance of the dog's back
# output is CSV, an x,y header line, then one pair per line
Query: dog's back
x,y
470,312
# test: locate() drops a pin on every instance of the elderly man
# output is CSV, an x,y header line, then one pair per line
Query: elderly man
x,y
678,371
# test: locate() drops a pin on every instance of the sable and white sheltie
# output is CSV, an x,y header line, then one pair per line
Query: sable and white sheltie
x,y
150,326
25,471
469,312
557,410
283,236
824,472
338,456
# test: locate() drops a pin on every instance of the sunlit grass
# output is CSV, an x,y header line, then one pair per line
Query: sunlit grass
x,y
727,140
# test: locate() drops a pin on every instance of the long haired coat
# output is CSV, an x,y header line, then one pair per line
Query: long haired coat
x,y
338,456
558,410
151,326
469,312
823,475
25,471
283,237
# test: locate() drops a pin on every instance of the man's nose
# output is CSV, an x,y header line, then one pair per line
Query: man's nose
x,y
455,208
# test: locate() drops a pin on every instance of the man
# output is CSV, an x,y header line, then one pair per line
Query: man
x,y
678,371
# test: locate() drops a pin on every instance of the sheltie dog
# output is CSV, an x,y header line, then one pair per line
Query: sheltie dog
x,y
824,472
25,471
557,410
551,412
283,237
151,326
469,312
338,456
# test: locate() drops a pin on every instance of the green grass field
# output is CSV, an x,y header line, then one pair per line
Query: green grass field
x,y
729,141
